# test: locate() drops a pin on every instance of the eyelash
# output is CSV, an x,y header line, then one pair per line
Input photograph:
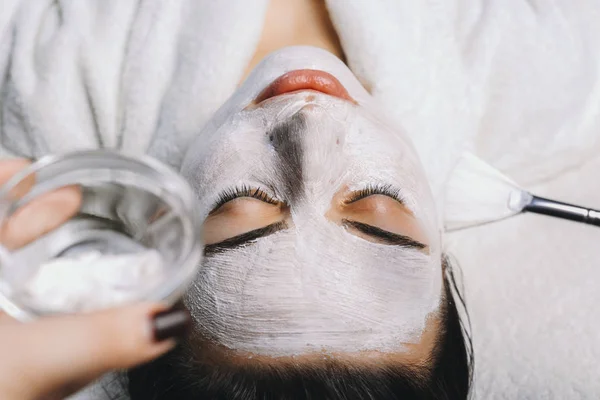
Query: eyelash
x,y
247,191
386,190
243,191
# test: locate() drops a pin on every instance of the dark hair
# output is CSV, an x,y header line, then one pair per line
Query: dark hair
x,y
446,377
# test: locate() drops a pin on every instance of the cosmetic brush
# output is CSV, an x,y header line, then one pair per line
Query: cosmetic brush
x,y
477,194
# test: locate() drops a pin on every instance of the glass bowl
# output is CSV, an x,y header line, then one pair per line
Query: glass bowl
x,y
95,229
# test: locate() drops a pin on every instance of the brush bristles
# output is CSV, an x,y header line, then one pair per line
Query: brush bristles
x,y
477,193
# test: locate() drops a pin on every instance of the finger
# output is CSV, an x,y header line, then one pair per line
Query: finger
x,y
39,216
7,169
51,354
10,167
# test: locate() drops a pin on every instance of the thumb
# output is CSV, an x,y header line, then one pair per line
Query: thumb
x,y
58,355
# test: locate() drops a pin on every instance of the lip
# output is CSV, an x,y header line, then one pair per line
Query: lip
x,y
305,79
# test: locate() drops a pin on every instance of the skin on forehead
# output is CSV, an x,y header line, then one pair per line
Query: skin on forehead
x,y
213,354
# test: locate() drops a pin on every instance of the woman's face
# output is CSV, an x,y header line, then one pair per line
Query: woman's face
x,y
320,227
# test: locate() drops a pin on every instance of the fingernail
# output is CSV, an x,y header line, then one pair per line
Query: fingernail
x,y
170,324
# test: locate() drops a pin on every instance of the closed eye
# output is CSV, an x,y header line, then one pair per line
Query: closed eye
x,y
242,214
380,213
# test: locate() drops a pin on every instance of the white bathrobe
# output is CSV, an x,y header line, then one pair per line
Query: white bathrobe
x,y
516,81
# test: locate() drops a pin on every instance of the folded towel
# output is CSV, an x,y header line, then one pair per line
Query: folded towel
x,y
142,76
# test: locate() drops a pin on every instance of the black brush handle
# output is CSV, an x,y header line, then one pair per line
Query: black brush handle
x,y
553,208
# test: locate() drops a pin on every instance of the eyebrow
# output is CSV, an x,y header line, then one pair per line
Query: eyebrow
x,y
243,239
385,236
248,237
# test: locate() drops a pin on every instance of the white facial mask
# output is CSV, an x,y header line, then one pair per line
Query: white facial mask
x,y
313,286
